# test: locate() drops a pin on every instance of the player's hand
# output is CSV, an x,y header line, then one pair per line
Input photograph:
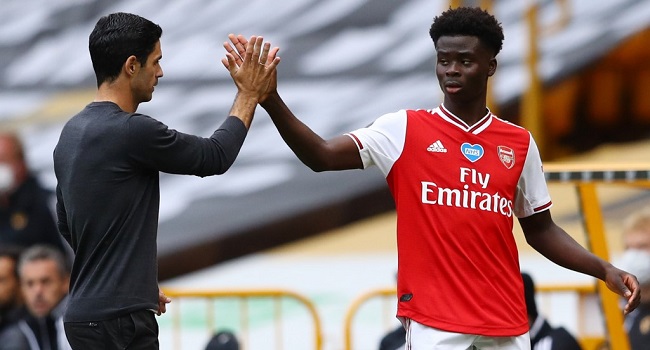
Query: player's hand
x,y
163,300
237,49
626,285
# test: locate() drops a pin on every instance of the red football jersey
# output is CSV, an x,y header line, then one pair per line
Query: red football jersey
x,y
457,189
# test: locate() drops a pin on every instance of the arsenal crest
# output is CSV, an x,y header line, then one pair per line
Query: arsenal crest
x,y
506,156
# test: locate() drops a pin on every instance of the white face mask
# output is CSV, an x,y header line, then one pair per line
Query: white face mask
x,y
636,262
7,178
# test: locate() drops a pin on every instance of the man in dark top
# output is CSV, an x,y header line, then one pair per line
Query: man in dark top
x,y
107,164
542,335
26,217
44,283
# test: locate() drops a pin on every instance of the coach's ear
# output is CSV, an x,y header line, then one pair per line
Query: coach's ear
x,y
131,66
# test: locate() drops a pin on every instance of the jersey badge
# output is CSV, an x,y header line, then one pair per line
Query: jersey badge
x,y
472,152
437,147
506,156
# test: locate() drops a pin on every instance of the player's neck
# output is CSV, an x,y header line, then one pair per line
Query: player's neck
x,y
470,113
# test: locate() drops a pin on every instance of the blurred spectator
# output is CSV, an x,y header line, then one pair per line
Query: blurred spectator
x,y
636,231
636,259
11,304
542,334
223,340
44,279
395,340
26,216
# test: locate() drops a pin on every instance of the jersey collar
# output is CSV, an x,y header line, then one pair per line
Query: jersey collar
x,y
479,126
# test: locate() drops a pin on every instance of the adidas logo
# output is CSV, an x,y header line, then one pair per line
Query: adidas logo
x,y
437,147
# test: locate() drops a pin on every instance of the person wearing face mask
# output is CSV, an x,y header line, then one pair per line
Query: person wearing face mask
x,y
636,259
26,216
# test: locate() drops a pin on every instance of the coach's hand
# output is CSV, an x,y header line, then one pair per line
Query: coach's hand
x,y
163,300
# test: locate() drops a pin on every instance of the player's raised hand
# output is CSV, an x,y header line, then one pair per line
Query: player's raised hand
x,y
237,50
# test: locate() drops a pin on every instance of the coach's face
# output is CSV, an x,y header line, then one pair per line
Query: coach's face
x,y
146,76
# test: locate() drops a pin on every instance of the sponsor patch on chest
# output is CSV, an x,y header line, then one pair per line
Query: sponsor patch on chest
x,y
472,152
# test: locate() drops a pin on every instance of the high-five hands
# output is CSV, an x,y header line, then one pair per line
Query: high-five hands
x,y
239,54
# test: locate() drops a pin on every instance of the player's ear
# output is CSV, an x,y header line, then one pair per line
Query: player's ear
x,y
492,66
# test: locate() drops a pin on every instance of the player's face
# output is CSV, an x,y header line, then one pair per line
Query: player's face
x,y
463,67
43,286
147,76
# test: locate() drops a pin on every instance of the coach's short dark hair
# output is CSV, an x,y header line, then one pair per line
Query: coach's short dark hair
x,y
469,21
118,36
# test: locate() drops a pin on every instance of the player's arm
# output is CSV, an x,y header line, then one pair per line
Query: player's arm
x,y
338,153
554,243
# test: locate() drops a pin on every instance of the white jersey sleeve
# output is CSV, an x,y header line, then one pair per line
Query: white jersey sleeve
x,y
532,192
382,142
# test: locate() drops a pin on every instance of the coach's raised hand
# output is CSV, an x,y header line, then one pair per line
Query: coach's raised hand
x,y
252,75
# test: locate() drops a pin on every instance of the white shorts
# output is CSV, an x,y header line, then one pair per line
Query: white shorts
x,y
421,337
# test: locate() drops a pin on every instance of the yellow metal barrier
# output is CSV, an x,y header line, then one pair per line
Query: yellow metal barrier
x,y
243,296
387,296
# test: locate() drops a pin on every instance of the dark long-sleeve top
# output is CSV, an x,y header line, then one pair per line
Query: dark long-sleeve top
x,y
107,165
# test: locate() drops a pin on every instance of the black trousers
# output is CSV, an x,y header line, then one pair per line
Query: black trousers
x,y
135,331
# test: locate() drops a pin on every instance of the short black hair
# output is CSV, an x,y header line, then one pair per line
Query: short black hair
x,y
469,21
118,36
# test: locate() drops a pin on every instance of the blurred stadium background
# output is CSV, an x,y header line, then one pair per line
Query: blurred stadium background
x,y
269,223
